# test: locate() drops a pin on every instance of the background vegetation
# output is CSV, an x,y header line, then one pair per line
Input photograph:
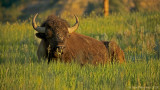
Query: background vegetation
x,y
13,10
138,34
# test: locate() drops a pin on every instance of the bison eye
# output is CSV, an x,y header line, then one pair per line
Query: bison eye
x,y
49,33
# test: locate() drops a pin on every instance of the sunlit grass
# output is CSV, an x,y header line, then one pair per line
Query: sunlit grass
x,y
73,76
138,34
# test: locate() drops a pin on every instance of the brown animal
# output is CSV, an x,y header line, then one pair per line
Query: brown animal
x,y
59,41
116,54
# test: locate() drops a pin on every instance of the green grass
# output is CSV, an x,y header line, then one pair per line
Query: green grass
x,y
73,76
138,34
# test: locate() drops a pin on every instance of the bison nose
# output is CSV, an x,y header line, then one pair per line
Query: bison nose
x,y
60,47
59,50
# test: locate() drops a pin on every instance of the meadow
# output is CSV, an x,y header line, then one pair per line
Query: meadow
x,y
138,34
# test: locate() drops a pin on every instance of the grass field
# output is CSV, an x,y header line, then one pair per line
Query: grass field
x,y
138,34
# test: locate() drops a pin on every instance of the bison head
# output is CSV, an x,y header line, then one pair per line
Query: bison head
x,y
56,31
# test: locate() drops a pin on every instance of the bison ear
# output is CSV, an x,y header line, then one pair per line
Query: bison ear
x,y
41,35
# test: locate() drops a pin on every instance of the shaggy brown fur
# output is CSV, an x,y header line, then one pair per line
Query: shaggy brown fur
x,y
85,49
116,54
77,47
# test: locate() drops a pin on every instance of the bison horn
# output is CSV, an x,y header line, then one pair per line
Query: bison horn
x,y
37,28
75,26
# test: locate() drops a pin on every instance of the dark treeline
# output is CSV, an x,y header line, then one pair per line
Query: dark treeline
x,y
12,10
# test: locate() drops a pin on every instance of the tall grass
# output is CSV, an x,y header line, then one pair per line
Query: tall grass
x,y
138,34
73,76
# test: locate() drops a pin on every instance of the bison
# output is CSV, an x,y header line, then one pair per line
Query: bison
x,y
60,42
